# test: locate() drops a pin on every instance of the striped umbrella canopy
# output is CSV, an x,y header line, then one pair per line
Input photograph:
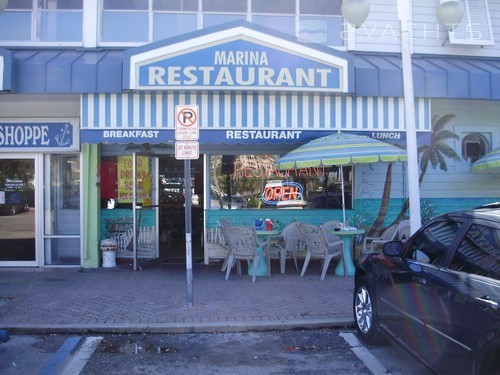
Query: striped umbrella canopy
x,y
489,163
340,149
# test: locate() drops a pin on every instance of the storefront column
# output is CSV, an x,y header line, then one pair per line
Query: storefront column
x,y
90,205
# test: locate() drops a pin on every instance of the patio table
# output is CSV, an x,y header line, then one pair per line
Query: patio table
x,y
346,236
262,266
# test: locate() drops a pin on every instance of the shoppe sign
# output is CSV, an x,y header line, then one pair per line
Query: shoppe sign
x,y
237,59
39,136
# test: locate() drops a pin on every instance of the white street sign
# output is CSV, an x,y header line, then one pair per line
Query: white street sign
x,y
187,150
186,123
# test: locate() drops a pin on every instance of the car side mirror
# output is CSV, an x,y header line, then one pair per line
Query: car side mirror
x,y
393,248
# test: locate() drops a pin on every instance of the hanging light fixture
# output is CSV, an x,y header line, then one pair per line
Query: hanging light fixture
x,y
355,11
450,13
3,5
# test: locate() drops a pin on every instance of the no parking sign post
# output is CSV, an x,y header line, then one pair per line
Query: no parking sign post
x,y
187,148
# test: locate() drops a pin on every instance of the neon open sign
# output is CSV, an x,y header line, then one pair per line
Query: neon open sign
x,y
281,191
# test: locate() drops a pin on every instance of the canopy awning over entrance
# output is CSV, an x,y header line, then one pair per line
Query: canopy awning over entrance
x,y
100,71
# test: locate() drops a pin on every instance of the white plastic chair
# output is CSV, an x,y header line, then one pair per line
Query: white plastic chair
x,y
317,247
242,242
285,245
334,242
404,230
394,232
223,222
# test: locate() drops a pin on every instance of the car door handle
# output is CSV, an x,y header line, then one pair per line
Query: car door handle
x,y
487,303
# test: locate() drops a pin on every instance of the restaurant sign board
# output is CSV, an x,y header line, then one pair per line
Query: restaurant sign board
x,y
237,58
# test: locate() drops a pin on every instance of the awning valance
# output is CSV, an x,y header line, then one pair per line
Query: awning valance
x,y
244,114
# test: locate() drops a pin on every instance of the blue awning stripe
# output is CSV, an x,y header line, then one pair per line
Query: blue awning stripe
x,y
251,110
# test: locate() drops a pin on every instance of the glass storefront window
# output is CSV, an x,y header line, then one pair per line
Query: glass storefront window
x,y
62,210
177,24
125,4
313,21
124,26
249,181
217,19
321,8
17,213
327,30
234,6
274,7
285,24
175,5
42,21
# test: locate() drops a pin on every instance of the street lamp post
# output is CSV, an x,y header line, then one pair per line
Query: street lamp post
x,y
449,13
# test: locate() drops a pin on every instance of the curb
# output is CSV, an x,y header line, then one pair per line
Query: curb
x,y
208,327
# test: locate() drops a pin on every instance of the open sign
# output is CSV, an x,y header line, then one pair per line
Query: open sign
x,y
283,194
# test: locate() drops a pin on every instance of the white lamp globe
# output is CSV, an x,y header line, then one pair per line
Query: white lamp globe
x,y
450,13
355,11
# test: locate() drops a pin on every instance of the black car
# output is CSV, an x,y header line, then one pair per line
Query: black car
x,y
438,294
15,202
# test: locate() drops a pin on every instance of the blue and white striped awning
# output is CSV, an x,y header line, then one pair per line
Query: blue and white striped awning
x,y
246,111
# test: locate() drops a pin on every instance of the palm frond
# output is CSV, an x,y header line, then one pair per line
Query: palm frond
x,y
438,123
442,162
447,151
443,135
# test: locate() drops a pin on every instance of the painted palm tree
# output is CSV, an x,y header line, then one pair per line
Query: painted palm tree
x,y
435,153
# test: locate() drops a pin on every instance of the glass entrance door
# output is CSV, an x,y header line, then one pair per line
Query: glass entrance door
x,y
61,230
145,210
172,210
17,211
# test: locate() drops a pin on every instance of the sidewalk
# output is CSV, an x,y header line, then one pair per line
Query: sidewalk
x,y
154,300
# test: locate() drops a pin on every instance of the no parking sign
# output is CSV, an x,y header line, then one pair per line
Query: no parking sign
x,y
186,123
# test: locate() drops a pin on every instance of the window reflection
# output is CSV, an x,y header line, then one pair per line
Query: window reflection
x,y
251,182
175,5
276,6
42,21
312,21
239,6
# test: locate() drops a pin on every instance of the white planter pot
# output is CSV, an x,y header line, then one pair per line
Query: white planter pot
x,y
108,259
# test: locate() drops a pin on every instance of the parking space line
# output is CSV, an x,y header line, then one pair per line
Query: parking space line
x,y
76,363
369,360
56,361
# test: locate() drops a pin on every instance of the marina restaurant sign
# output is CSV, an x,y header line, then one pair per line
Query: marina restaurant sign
x,y
240,58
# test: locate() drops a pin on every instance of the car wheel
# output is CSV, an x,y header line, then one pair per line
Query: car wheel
x,y
12,210
365,315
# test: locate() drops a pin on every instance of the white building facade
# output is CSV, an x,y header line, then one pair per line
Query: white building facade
x,y
93,94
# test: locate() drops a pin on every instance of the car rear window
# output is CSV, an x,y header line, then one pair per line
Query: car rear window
x,y
479,252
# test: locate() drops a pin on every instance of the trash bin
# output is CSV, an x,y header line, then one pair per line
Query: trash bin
x,y
108,249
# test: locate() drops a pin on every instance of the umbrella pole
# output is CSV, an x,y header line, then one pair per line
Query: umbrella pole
x,y
342,186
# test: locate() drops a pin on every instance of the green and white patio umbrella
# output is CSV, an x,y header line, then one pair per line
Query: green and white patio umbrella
x,y
489,163
340,149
